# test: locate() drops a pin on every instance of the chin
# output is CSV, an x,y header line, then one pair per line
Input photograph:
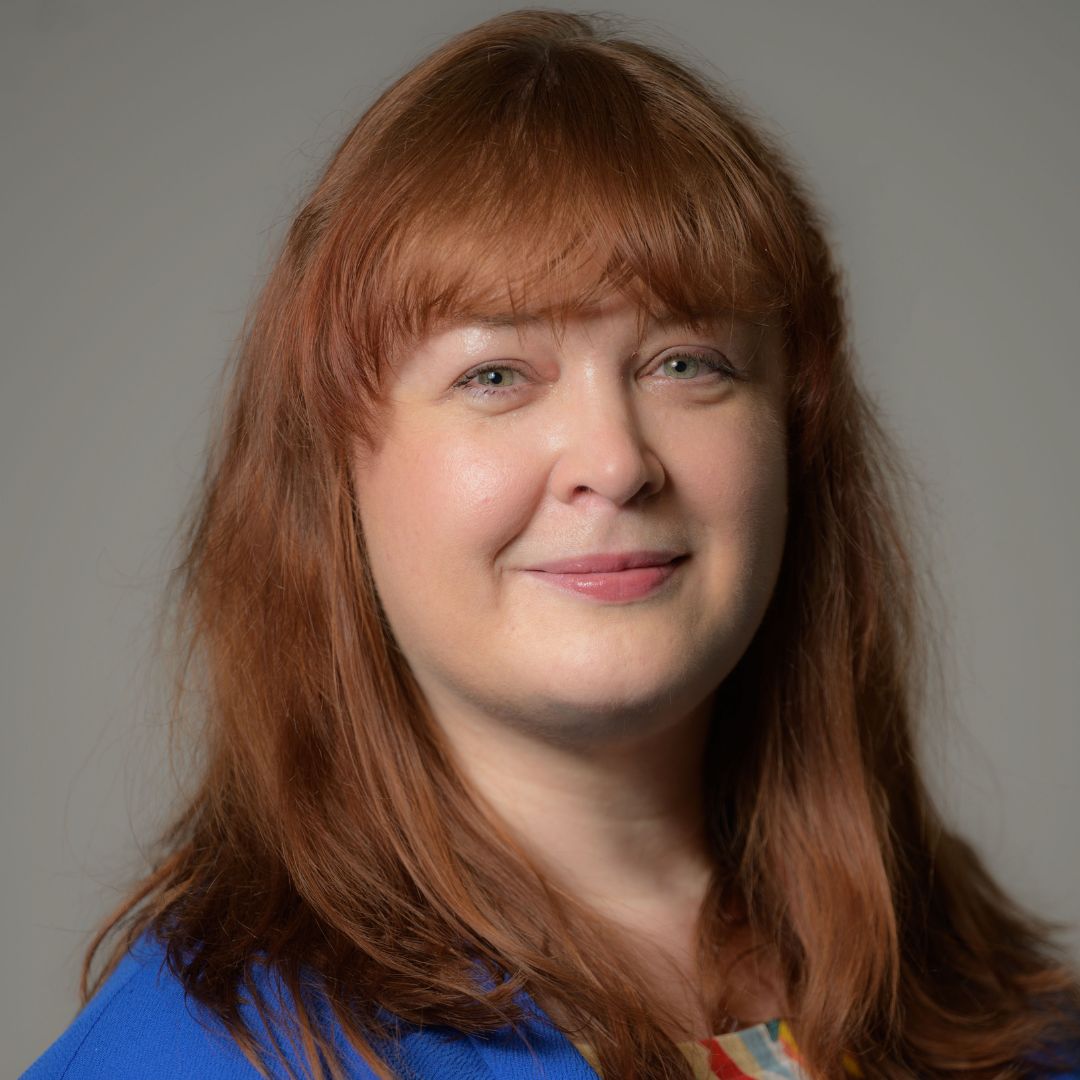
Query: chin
x,y
627,666
610,723
618,692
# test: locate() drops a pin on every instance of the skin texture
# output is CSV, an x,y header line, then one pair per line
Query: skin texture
x,y
582,722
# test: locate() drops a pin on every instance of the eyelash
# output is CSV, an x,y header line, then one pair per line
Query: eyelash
x,y
715,365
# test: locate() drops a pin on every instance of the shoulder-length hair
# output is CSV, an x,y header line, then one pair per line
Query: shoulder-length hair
x,y
541,159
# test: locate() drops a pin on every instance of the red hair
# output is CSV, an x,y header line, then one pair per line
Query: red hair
x,y
540,160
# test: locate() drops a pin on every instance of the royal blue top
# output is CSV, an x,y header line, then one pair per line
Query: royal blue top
x,y
140,1025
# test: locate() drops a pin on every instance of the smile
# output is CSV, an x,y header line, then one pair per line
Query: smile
x,y
618,585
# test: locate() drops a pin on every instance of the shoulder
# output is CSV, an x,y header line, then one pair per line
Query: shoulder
x,y
1060,1061
140,1023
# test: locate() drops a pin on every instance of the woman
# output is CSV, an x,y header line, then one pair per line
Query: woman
x,y
550,599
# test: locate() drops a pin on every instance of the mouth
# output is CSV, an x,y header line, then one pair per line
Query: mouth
x,y
630,583
610,562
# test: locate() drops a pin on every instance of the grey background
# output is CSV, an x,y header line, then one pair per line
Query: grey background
x,y
152,156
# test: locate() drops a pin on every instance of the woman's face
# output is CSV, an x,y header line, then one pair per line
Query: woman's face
x,y
566,450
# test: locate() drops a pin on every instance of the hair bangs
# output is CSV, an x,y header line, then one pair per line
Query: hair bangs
x,y
557,185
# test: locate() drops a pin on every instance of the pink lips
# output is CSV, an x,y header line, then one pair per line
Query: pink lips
x,y
622,576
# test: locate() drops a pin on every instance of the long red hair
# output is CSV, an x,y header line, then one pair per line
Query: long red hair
x,y
328,833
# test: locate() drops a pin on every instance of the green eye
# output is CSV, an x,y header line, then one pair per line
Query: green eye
x,y
494,376
495,380
683,366
686,366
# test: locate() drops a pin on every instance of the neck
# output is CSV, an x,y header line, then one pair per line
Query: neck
x,y
620,826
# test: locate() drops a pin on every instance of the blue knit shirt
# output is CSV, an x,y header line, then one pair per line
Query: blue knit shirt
x,y
139,1026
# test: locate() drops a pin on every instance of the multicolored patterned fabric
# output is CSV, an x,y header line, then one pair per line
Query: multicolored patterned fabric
x,y
766,1051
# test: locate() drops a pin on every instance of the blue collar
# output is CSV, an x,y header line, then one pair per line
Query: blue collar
x,y
542,1049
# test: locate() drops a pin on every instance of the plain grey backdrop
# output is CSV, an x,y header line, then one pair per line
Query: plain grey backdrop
x,y
153,154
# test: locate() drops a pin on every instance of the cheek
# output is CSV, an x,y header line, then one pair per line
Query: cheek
x,y
738,495
741,479
431,502
486,494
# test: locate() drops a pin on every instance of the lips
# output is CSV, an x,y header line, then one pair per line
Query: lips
x,y
608,563
637,582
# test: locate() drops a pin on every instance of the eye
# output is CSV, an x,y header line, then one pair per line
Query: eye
x,y
686,367
494,379
504,380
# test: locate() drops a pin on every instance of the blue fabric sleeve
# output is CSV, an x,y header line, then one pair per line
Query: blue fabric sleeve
x,y
1068,1052
140,1024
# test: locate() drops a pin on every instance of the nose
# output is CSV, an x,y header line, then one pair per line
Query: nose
x,y
601,449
